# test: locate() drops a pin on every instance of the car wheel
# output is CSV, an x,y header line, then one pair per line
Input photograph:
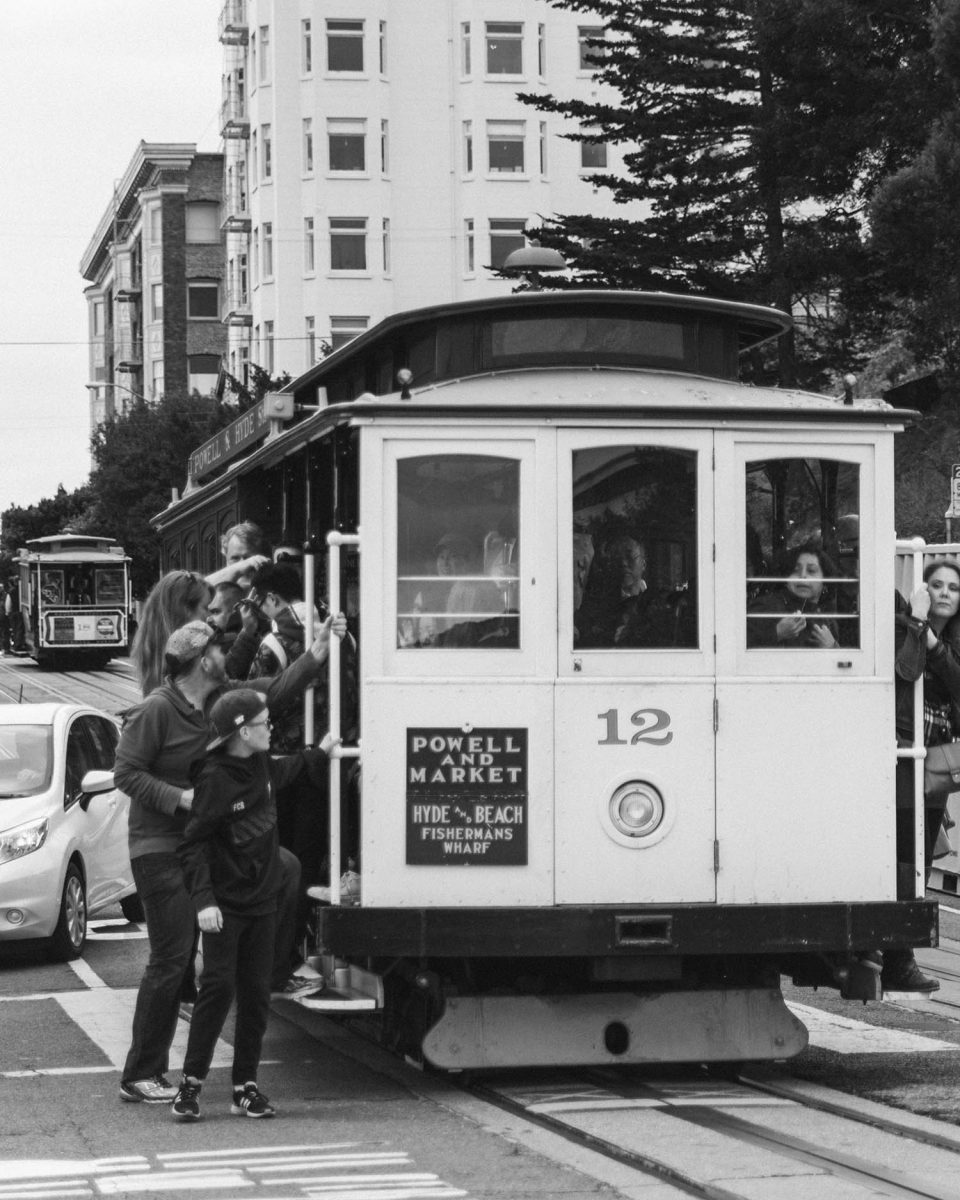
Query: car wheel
x,y
132,908
70,935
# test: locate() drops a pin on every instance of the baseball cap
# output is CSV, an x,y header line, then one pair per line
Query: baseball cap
x,y
232,711
188,643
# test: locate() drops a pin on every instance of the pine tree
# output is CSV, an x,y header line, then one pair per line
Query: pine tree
x,y
754,131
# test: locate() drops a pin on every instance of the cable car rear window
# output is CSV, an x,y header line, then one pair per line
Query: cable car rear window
x,y
577,338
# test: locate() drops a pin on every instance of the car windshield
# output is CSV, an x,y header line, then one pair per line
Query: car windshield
x,y
26,759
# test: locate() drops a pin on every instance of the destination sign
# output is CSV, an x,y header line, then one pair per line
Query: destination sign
x,y
248,429
467,797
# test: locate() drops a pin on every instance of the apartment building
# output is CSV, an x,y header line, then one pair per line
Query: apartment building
x,y
377,158
155,267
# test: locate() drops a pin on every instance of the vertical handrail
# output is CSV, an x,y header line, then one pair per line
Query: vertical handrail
x,y
309,633
916,548
334,541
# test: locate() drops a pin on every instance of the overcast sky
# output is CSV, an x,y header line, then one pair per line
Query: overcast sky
x,y
82,82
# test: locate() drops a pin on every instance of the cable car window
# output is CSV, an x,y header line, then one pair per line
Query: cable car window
x,y
590,339
635,548
803,553
457,552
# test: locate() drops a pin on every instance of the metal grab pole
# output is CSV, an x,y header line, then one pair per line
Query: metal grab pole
x,y
334,542
309,633
919,750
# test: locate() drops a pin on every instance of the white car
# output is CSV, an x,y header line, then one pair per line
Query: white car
x,y
63,825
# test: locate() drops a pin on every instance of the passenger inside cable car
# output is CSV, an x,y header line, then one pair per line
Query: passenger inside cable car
x,y
795,614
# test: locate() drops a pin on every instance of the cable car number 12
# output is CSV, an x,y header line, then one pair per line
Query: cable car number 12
x,y
651,723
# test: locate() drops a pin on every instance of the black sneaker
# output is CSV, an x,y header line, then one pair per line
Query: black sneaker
x,y
249,1101
186,1107
157,1090
297,985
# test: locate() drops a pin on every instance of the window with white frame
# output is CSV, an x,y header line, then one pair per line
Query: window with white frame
x,y
203,300
156,301
306,47
543,147
243,282
345,329
383,47
504,47
203,372
593,154
348,243
264,75
253,156
468,147
310,338
96,318
266,250
384,147
469,246
344,45
202,223
466,66
307,145
309,246
346,141
255,256
385,244
268,355
505,147
156,379
156,224
506,235
590,56
266,151
541,50
253,61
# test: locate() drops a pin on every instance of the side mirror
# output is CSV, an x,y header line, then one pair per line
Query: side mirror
x,y
95,783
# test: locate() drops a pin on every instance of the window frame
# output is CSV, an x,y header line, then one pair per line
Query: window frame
x,y
203,287
345,29
505,30
350,227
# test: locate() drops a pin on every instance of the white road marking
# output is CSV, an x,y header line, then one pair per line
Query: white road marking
x,y
844,1035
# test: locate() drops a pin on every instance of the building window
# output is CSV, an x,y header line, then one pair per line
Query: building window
x,y
348,243
202,223
310,337
309,248
383,47
253,60
590,56
469,247
505,237
266,151
593,155
255,256
268,360
203,371
505,146
504,48
468,147
346,140
243,288
253,156
465,63
344,45
96,318
156,301
264,75
266,255
156,224
306,47
541,50
203,301
384,147
385,242
543,147
345,329
308,145
156,379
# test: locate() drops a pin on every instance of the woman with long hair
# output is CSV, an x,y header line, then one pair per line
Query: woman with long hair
x,y
175,599
793,613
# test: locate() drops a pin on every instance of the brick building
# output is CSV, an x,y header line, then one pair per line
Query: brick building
x,y
155,268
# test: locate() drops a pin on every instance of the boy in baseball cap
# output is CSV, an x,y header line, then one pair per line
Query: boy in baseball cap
x,y
231,863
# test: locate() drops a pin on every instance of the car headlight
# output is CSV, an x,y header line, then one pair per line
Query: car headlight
x,y
23,839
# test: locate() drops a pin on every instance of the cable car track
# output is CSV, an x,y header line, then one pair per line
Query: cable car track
x,y
22,681
577,1109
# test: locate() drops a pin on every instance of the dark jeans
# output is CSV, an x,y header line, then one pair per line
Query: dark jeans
x,y
172,931
286,956
236,962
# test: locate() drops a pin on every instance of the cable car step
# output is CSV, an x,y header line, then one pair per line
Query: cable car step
x,y
342,988
334,1000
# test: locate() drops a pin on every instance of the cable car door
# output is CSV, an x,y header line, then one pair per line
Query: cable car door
x,y
635,806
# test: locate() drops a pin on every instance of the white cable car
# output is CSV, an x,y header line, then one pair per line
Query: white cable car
x,y
624,761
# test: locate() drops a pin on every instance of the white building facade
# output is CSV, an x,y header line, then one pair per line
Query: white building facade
x,y
377,159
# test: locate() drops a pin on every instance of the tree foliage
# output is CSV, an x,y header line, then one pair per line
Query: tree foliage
x,y
46,517
754,134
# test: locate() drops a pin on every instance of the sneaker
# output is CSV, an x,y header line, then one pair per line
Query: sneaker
x,y
249,1101
296,985
147,1091
186,1107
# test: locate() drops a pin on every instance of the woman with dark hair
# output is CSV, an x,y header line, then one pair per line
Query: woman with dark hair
x,y
927,645
175,599
790,613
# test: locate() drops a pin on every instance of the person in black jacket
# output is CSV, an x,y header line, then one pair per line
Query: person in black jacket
x,y
231,862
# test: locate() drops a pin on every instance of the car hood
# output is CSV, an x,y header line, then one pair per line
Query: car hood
x,y
18,810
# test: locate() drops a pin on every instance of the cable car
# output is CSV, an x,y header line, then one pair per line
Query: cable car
x,y
604,805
